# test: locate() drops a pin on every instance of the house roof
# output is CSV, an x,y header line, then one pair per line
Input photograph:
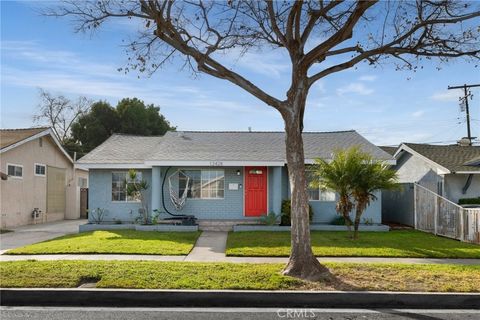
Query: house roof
x,y
12,138
227,147
455,158
123,148
389,150
9,137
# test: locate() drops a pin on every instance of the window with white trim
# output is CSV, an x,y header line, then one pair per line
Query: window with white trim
x,y
82,182
315,193
204,184
120,180
15,170
40,169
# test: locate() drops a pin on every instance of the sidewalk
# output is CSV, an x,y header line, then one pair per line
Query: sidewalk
x,y
217,258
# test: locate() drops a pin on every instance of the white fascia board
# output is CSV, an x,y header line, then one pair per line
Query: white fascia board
x,y
389,162
113,166
46,132
440,169
466,172
196,163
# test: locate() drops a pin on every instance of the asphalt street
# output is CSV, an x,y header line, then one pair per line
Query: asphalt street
x,y
66,313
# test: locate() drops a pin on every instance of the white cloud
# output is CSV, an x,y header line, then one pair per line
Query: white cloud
x,y
418,114
368,78
267,63
446,96
358,88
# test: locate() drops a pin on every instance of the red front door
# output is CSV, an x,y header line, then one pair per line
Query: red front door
x,y
255,191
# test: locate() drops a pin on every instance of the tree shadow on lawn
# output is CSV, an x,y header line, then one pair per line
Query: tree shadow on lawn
x,y
179,237
330,281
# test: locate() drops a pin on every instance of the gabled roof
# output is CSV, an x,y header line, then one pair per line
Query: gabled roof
x,y
232,148
12,138
9,137
389,150
453,158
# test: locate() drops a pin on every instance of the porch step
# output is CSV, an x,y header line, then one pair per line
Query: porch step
x,y
222,225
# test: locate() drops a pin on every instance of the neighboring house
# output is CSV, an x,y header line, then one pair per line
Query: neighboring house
x,y
234,176
449,170
39,173
452,171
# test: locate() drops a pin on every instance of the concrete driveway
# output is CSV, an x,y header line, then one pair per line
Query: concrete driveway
x,y
25,235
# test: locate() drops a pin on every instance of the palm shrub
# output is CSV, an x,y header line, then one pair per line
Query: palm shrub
x,y
338,175
270,219
136,188
372,176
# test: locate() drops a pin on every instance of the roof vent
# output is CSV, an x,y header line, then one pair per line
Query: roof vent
x,y
249,129
464,142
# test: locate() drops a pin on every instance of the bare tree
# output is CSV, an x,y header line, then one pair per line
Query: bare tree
x,y
60,112
321,38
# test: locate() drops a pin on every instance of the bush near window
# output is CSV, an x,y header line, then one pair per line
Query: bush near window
x,y
286,212
338,221
469,201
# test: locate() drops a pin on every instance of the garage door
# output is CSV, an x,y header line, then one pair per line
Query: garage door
x,y
56,190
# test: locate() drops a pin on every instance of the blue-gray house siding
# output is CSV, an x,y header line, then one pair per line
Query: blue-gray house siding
x,y
231,207
100,196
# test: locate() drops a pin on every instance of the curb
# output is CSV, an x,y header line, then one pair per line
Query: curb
x,y
236,298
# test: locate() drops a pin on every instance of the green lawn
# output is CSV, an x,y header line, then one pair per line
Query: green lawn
x,y
190,275
399,243
116,242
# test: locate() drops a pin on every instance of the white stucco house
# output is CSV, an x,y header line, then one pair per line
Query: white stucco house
x,y
36,172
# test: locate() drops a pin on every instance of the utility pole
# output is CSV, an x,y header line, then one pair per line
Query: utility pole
x,y
465,88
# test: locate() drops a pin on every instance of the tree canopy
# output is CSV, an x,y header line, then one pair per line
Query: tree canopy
x,y
130,116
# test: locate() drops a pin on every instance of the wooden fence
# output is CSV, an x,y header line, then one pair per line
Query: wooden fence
x,y
440,216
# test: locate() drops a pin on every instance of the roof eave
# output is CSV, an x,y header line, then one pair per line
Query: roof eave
x,y
43,133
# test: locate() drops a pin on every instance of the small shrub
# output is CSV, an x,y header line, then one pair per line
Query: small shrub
x,y
287,211
98,215
270,219
338,221
469,201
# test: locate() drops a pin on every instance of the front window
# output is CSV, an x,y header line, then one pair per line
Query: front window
x,y
204,184
120,180
315,193
15,170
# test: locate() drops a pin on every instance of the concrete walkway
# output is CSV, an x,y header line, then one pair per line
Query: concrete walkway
x,y
210,246
202,258
25,235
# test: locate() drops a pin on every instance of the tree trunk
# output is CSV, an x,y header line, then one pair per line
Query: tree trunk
x,y
302,263
357,223
361,206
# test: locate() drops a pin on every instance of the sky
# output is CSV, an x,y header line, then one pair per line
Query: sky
x,y
386,106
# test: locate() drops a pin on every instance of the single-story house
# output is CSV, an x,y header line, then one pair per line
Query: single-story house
x,y
451,171
37,173
234,176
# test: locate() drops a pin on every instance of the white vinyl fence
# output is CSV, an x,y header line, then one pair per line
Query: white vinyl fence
x,y
440,216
